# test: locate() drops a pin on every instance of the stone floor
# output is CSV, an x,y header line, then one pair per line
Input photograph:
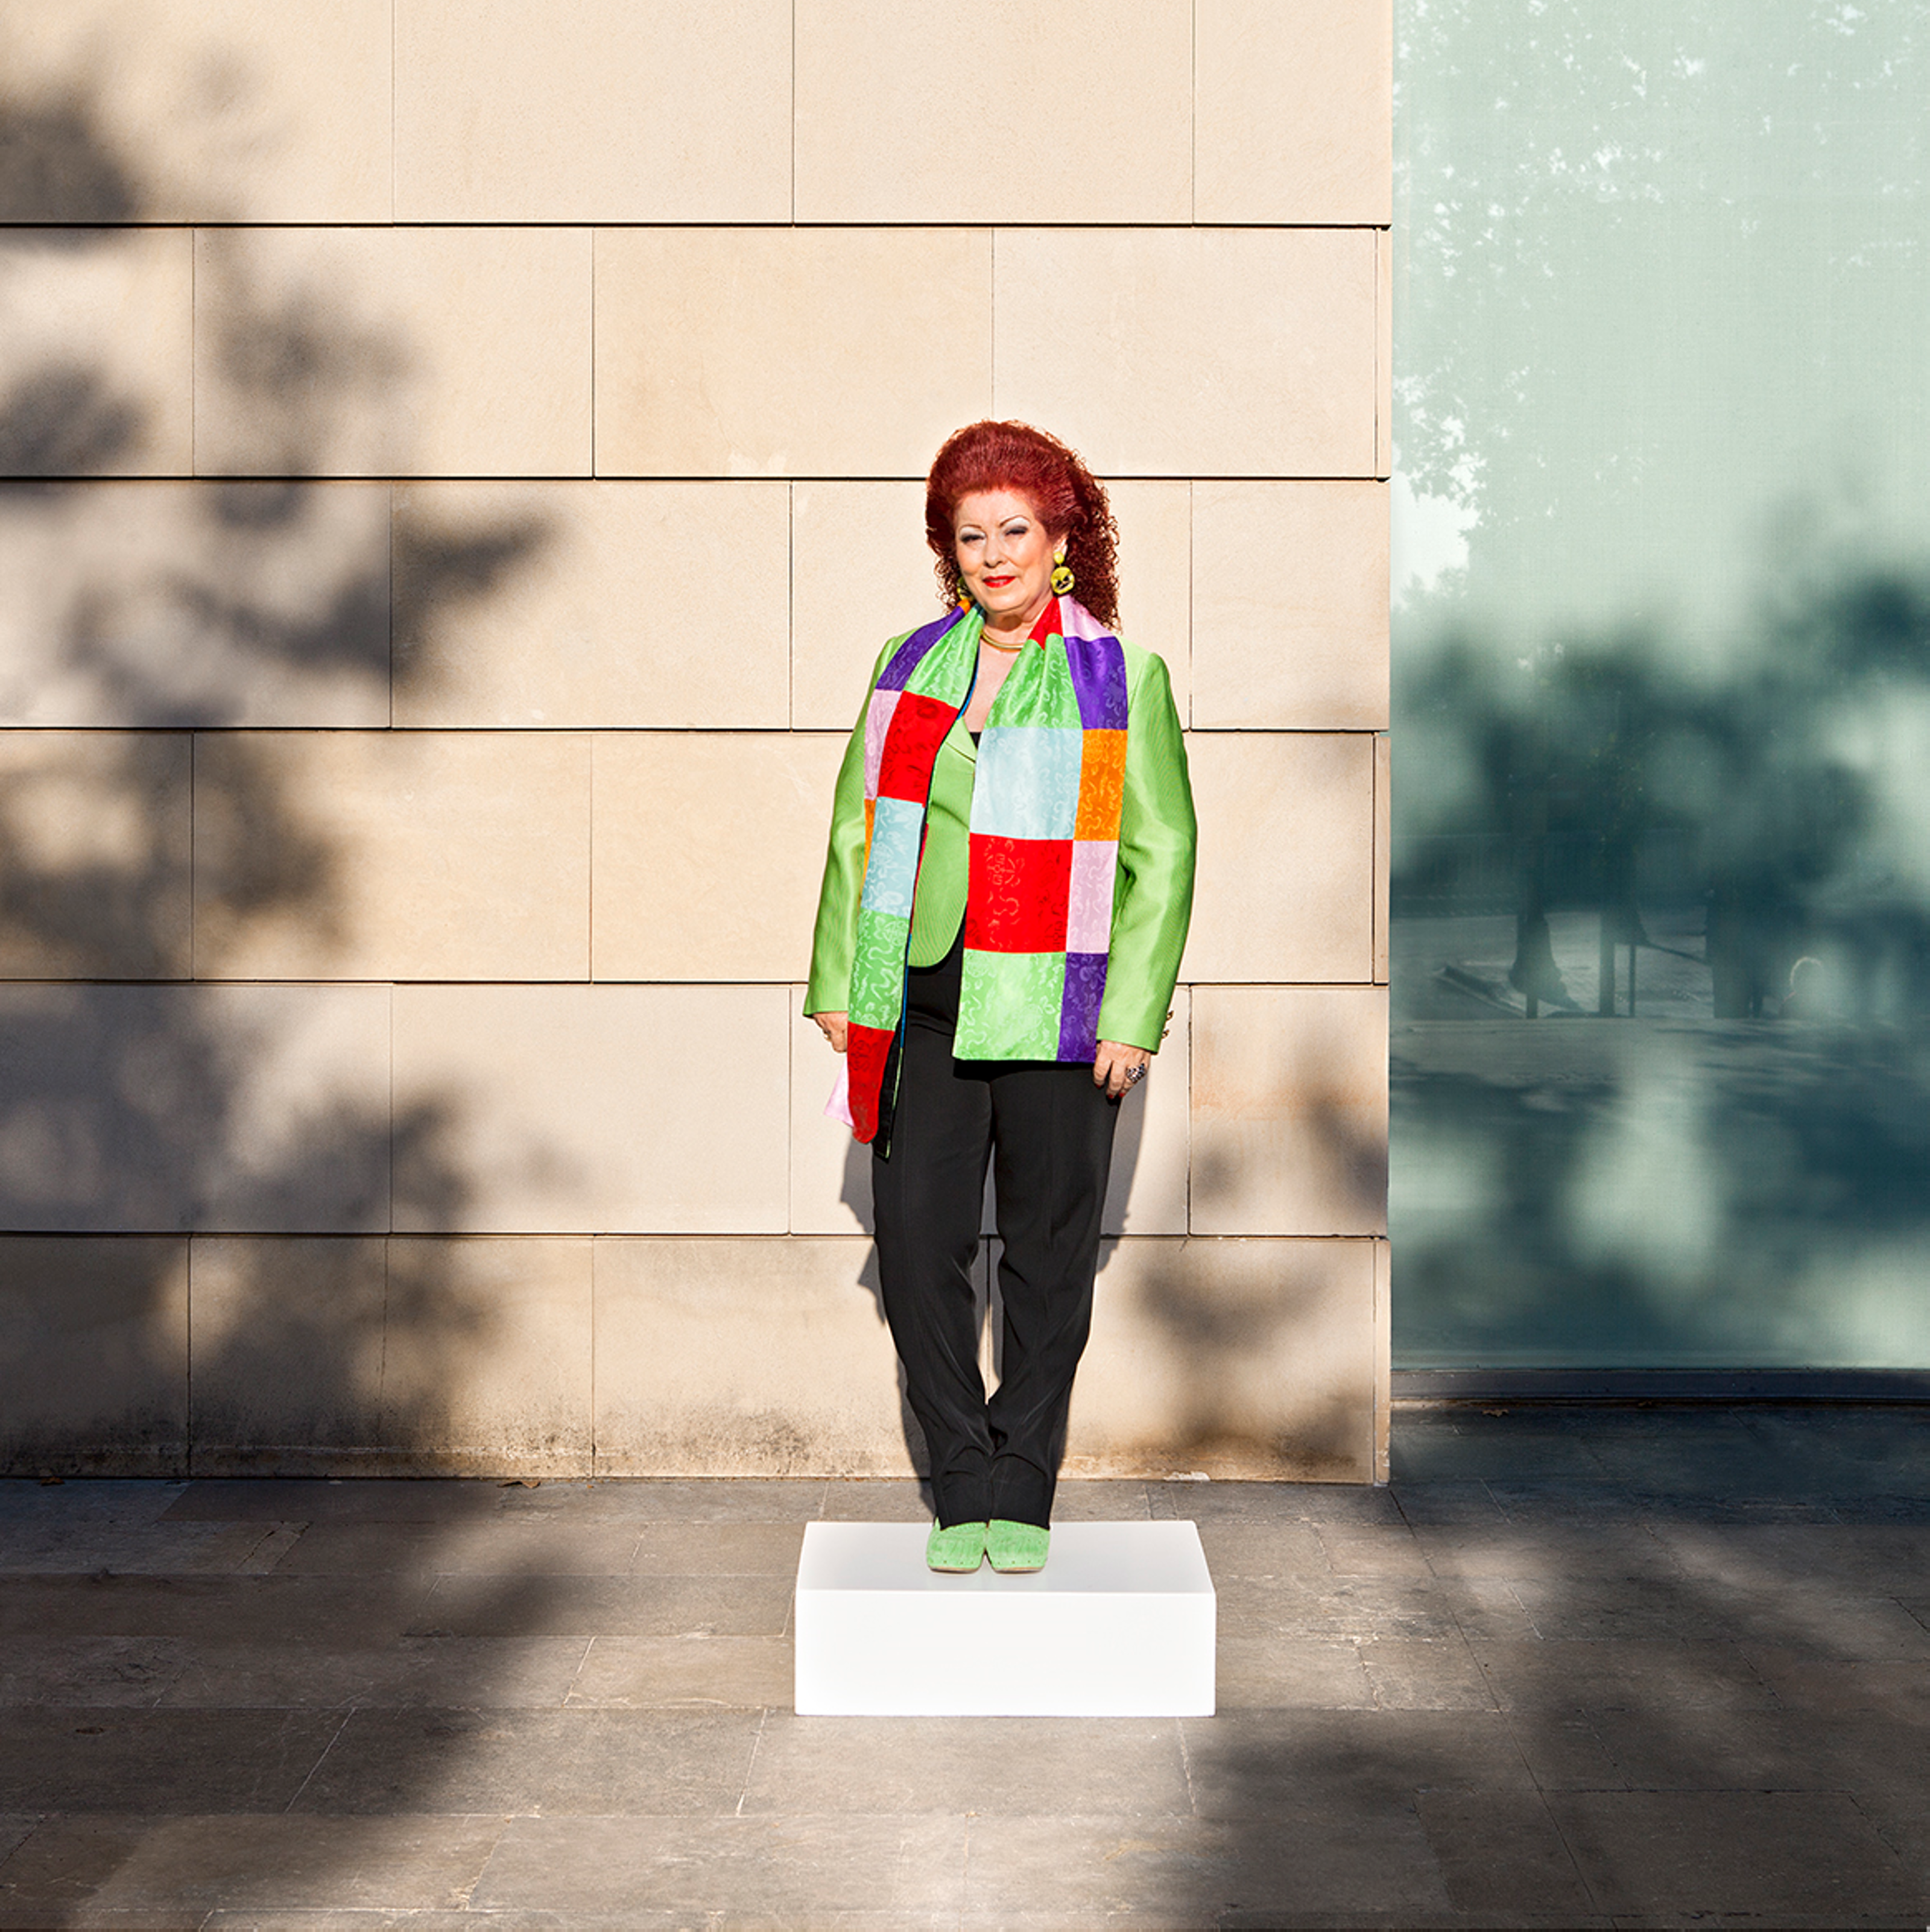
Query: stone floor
x,y
1578,1667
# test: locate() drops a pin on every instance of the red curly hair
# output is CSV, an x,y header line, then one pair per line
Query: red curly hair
x,y
1070,501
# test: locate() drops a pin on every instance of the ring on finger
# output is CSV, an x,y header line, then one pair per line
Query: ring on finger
x,y
1134,1075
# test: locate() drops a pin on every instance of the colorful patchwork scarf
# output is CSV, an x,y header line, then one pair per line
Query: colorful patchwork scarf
x,y
1045,842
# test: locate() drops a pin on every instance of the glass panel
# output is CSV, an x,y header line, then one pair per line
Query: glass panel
x,y
1661,894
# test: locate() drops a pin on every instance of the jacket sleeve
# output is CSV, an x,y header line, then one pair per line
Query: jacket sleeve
x,y
1152,902
834,942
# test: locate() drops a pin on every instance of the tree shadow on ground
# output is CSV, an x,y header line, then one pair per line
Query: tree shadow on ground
x,y
1657,1661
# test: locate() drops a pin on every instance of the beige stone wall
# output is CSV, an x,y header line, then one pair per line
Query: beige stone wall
x,y
463,459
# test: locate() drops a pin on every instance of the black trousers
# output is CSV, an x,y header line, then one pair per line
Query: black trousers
x,y
1048,1131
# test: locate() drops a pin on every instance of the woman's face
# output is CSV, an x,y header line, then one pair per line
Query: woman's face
x,y
1004,555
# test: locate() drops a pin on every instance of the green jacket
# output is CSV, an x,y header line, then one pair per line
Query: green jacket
x,y
1152,899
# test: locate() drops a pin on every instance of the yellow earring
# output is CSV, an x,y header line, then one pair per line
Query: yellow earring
x,y
1062,579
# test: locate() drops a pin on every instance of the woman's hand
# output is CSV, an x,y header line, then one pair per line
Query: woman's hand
x,y
837,1029
1115,1067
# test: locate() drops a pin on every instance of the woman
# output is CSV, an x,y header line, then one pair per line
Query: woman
x,y
1005,901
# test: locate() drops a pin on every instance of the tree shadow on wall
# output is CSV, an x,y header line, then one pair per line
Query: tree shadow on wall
x,y
198,1175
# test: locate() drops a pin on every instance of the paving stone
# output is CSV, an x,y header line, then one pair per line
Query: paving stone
x,y
1901,1510
718,1549
1747,1751
1502,1852
1586,1609
482,1672
483,1606
1092,1499
1486,1607
1763,1852
93,1546
1662,1674
1260,1549
793,1869
133,1671
26,1500
1359,1607
1183,1872
1535,1500
109,1760
230,1609
880,1499
1834,1685
1560,1550
639,1672
326,1499
498,1543
1447,1446
526,1761
1448,1502
1248,1764
102,1865
967,1764
1373,1553
1203,1503
1426,1674
1281,1673
703,1498
1563,1748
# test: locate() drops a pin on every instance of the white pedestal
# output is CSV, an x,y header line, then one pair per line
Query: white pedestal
x,y
1119,1624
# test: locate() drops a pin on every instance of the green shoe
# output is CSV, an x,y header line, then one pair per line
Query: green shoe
x,y
960,1548
1015,1547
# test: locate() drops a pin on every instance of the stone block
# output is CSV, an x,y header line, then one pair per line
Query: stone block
x,y
1285,890
1289,1110
178,604
1383,1362
392,352
1290,606
626,605
1244,1359
708,850
1293,112
93,1354
392,855
1383,849
1099,102
97,829
589,1109
467,1356
199,110
801,351
841,617
153,1109
1225,351
830,1173
744,1357
96,352
1148,1192
288,1337
615,110
838,626
1156,575
1383,457
486,1363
